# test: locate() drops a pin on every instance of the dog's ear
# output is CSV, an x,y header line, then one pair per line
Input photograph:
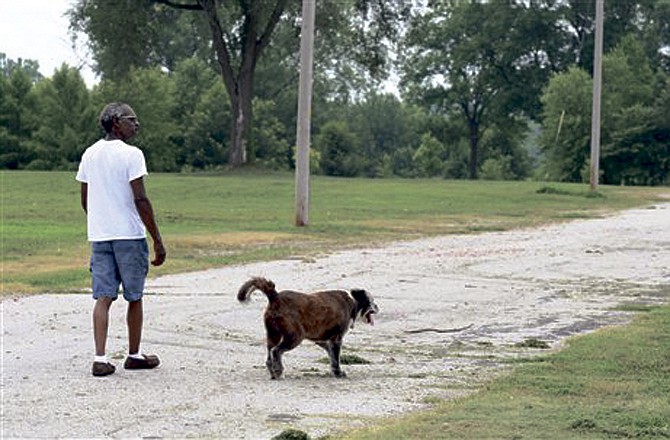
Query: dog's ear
x,y
360,295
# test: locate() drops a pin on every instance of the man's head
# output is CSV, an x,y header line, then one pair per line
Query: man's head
x,y
119,121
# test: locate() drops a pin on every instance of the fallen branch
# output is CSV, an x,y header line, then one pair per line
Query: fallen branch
x,y
439,330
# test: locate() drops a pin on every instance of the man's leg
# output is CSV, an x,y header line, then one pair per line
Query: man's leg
x,y
134,319
136,360
105,290
101,324
101,366
132,258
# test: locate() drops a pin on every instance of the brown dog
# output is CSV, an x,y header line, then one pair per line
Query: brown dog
x,y
323,317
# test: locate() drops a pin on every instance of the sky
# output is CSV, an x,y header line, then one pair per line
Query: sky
x,y
38,30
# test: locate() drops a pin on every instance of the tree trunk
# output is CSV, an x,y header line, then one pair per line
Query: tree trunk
x,y
240,85
242,114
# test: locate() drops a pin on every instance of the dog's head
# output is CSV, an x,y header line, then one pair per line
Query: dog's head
x,y
365,304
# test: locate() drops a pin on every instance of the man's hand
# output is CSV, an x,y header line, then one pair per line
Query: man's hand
x,y
159,254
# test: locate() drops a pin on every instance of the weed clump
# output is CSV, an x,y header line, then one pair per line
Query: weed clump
x,y
532,343
291,434
348,359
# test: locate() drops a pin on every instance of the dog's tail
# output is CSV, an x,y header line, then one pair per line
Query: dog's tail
x,y
257,283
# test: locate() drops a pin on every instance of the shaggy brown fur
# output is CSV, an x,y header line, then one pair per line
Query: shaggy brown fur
x,y
322,317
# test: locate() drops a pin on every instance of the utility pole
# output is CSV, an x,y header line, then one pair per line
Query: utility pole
x,y
304,113
597,87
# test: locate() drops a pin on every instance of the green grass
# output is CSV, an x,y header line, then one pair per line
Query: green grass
x,y
611,384
210,220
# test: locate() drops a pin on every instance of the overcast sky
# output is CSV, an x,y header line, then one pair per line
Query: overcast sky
x,y
37,30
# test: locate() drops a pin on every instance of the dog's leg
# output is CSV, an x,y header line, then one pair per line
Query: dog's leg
x,y
275,365
269,363
336,346
333,348
273,340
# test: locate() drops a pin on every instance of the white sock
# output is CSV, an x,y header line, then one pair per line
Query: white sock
x,y
102,359
136,356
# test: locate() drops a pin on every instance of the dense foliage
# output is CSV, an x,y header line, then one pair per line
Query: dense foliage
x,y
494,90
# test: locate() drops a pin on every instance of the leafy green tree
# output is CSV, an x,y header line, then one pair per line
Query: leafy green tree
x,y
483,61
28,67
628,81
205,137
656,35
384,125
566,124
268,146
430,157
499,168
638,152
136,34
62,119
199,136
633,141
633,151
240,33
11,153
16,106
338,148
506,158
647,19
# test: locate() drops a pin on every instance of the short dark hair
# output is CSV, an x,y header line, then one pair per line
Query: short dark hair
x,y
111,111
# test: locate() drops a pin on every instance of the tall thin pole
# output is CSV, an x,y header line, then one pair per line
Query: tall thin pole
x,y
597,87
304,113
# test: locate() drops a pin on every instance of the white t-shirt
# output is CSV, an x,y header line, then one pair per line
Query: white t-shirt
x,y
108,167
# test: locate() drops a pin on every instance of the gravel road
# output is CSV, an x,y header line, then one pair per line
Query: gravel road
x,y
452,308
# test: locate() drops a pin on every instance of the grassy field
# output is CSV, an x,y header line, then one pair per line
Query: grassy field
x,y
212,220
611,384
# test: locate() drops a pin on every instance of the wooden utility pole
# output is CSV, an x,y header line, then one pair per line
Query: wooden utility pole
x,y
304,113
597,87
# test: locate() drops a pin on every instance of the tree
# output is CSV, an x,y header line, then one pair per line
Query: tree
x,y
634,136
429,157
337,146
199,115
28,67
506,158
240,33
12,154
62,119
622,17
268,146
16,106
483,61
135,34
566,125
384,125
633,151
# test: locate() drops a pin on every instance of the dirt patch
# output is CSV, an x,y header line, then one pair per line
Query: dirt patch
x,y
487,296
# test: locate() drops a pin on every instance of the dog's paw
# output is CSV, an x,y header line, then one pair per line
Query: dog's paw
x,y
340,374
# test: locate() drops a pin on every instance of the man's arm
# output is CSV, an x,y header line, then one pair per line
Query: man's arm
x,y
84,196
146,212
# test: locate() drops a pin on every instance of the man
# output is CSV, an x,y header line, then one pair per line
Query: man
x,y
118,215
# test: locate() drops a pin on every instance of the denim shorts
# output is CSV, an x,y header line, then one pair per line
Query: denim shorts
x,y
119,262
